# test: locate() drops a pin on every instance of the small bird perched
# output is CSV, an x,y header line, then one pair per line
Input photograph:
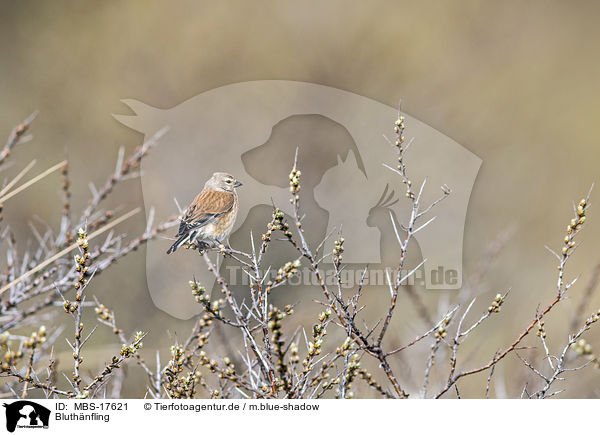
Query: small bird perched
x,y
211,215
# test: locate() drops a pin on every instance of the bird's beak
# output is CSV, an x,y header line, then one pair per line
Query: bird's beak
x,y
237,184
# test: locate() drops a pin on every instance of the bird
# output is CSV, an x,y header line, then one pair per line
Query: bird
x,y
210,217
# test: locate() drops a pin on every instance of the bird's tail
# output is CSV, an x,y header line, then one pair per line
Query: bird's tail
x,y
180,241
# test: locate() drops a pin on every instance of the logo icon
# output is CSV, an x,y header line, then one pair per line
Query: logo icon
x,y
252,129
26,414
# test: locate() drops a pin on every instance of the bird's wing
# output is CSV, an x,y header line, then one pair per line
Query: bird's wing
x,y
208,205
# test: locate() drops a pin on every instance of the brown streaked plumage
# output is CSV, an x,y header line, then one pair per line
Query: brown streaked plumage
x,y
211,215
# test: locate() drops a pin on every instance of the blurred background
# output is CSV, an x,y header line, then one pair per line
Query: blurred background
x,y
515,83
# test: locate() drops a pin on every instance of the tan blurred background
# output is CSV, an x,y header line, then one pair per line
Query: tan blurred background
x,y
516,83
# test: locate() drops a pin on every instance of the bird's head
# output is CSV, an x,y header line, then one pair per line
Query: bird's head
x,y
222,181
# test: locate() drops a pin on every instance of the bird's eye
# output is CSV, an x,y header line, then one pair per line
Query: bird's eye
x,y
228,181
